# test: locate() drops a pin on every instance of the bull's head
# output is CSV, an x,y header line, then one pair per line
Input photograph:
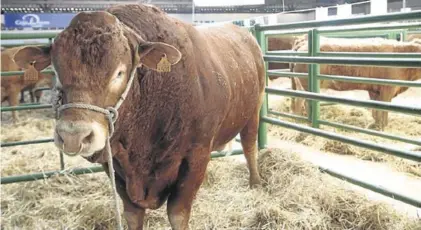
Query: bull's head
x,y
93,59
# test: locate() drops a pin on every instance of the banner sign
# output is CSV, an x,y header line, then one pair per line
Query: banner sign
x,y
37,20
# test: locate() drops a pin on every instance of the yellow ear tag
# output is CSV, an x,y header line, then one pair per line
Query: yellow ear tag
x,y
30,74
163,65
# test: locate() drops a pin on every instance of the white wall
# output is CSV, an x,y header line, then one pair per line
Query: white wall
x,y
296,17
215,17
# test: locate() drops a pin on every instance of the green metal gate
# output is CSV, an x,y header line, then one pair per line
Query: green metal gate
x,y
314,58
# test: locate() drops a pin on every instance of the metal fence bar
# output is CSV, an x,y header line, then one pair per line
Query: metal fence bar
x,y
359,103
379,189
24,107
363,61
288,115
365,80
286,53
368,54
42,89
349,140
357,36
363,32
335,32
300,32
19,36
345,21
45,175
327,104
10,144
286,74
329,31
20,73
93,169
26,104
370,132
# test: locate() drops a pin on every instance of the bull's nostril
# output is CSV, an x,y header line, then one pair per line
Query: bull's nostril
x,y
88,139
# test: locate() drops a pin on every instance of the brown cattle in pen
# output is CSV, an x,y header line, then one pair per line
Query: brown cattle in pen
x,y
170,121
12,86
280,43
376,92
412,37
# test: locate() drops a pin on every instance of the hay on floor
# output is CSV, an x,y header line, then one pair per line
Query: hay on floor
x,y
295,195
399,125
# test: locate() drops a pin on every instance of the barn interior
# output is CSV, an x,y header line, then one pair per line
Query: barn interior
x,y
312,179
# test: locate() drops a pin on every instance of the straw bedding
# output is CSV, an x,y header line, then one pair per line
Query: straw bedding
x,y
399,125
295,195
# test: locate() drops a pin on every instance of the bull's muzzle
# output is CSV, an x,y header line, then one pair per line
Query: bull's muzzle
x,y
79,138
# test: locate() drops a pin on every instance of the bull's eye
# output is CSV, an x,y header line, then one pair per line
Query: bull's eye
x,y
119,77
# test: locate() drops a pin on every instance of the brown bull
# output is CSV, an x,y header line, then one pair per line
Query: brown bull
x,y
412,37
170,121
280,43
376,92
12,86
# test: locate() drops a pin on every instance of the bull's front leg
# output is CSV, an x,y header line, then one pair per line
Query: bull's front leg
x,y
133,214
22,96
381,118
14,101
191,174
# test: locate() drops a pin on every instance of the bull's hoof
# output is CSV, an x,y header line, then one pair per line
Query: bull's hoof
x,y
375,126
255,182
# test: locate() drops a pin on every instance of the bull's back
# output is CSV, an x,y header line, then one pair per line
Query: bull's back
x,y
359,45
238,69
7,64
235,52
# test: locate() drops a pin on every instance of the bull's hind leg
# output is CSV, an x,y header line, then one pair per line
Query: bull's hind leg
x,y
381,118
249,143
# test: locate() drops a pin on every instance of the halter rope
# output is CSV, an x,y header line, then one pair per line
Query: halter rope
x,y
112,114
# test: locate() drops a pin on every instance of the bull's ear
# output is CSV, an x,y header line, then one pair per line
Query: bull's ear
x,y
151,53
37,55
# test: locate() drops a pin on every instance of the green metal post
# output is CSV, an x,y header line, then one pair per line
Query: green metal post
x,y
262,136
404,34
313,72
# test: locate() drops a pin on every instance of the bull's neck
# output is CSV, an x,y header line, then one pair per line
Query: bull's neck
x,y
150,118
